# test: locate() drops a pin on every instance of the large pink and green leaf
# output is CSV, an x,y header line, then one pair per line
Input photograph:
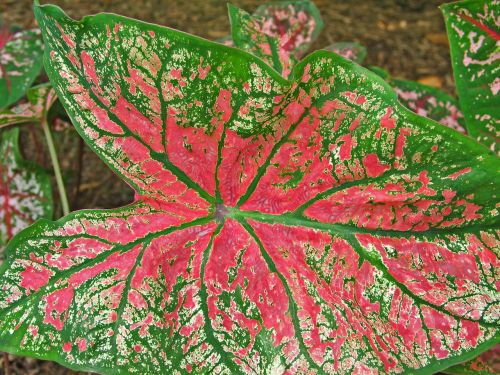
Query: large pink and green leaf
x,y
309,225
20,63
474,32
39,101
25,193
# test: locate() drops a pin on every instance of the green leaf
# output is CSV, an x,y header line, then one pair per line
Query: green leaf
x,y
474,36
349,50
20,63
302,225
40,99
25,191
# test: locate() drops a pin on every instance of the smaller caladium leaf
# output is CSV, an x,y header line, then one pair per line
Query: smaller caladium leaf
x,y
430,102
350,50
473,30
488,363
25,190
279,33
40,99
20,63
296,23
248,34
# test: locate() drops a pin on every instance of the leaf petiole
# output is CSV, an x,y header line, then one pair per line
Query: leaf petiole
x,y
56,166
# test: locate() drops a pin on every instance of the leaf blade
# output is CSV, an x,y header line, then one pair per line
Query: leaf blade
x,y
257,264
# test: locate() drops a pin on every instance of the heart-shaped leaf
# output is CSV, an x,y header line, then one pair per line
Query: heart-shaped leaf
x,y
25,192
40,99
350,50
430,102
474,33
310,225
20,63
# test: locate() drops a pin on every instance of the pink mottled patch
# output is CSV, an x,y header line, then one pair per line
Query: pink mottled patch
x,y
459,173
33,278
373,166
57,305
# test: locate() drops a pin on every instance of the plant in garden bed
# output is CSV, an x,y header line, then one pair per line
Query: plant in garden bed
x,y
308,224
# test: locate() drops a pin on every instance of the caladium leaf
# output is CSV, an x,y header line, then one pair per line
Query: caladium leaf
x,y
430,102
474,33
350,50
40,99
280,32
310,225
248,34
20,63
25,191
296,23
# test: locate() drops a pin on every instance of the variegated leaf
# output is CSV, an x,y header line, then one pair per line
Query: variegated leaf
x,y
309,225
350,50
25,192
248,34
296,23
20,63
474,32
286,29
40,99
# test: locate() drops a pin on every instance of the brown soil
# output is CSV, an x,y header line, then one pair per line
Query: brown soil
x,y
406,37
